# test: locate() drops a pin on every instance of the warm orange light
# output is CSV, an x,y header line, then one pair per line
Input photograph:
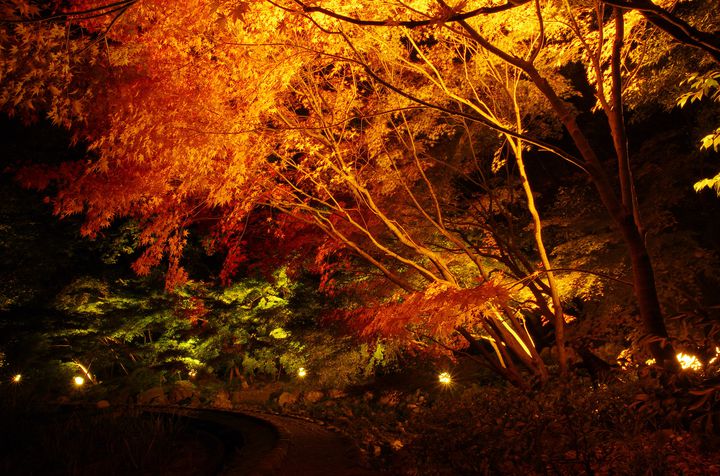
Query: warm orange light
x,y
688,362
17,378
715,358
302,372
79,381
445,378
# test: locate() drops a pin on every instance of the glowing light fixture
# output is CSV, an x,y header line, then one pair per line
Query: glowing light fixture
x,y
445,378
79,381
302,372
688,362
192,373
17,378
717,353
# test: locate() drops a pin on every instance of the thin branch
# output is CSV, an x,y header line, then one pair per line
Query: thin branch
x,y
674,26
454,17
77,15
594,273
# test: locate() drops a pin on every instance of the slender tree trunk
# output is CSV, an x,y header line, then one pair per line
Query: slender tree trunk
x,y
559,317
643,274
616,120
646,295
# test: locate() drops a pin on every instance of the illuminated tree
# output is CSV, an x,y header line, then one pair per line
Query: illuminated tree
x,y
230,112
604,69
704,86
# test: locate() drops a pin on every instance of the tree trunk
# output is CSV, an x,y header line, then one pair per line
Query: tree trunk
x,y
646,295
643,276
509,371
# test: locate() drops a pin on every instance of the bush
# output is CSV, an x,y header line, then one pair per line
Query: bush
x,y
565,429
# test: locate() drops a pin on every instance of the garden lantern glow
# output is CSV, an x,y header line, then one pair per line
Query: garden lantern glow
x,y
301,373
79,381
17,378
688,362
445,378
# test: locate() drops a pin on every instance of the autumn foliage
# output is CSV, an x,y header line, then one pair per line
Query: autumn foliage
x,y
356,133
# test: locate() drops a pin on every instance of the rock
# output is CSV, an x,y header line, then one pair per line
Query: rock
x,y
335,393
153,396
253,397
287,398
102,404
181,392
222,400
346,422
236,397
313,396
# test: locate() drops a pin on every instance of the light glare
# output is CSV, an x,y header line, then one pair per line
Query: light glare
x,y
715,358
688,361
17,378
301,372
79,381
445,378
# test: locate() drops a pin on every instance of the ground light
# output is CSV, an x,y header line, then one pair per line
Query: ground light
x,y
17,378
688,361
445,378
79,381
301,373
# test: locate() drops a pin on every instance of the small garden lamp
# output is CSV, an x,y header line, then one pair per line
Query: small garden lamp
x,y
445,378
79,381
16,378
301,373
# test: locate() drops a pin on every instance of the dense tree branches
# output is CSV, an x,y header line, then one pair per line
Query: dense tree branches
x,y
673,25
367,130
449,16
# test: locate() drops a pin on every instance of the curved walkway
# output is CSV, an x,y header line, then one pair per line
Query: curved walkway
x,y
306,448
278,445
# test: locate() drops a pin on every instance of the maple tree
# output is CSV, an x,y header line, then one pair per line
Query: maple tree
x,y
231,112
605,63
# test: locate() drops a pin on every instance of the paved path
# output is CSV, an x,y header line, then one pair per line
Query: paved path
x,y
308,449
277,445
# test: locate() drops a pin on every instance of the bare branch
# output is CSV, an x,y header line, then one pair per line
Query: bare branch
x,y
413,23
674,26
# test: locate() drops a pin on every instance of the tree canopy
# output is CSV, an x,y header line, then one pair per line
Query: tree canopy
x,y
382,138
